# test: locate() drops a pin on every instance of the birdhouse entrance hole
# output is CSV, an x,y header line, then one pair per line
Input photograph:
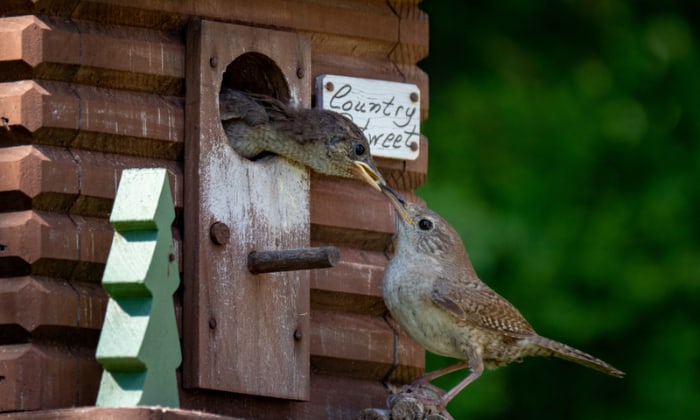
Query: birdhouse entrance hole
x,y
250,73
256,73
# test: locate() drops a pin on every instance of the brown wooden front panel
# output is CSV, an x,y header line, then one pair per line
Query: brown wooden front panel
x,y
239,328
89,88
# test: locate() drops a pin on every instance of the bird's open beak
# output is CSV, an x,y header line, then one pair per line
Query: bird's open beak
x,y
398,202
369,174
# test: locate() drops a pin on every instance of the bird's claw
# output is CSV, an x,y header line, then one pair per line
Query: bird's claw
x,y
421,401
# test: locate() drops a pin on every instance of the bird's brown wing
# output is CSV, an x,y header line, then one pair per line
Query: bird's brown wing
x,y
275,109
236,105
475,303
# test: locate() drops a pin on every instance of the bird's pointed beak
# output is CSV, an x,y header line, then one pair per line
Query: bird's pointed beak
x,y
369,174
398,202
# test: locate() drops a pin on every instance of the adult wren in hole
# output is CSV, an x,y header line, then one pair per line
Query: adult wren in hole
x,y
434,294
325,141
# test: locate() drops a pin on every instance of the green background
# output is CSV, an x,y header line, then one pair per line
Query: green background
x,y
565,148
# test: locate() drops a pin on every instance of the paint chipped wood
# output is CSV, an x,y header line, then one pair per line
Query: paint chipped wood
x,y
240,328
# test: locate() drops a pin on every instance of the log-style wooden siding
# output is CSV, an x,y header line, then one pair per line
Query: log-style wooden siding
x,y
89,88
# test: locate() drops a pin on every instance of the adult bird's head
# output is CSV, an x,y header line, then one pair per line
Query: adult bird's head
x,y
424,230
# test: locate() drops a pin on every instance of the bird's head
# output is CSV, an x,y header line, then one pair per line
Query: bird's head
x,y
421,228
325,141
347,149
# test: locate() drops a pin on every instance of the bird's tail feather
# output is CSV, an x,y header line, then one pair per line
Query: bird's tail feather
x,y
571,354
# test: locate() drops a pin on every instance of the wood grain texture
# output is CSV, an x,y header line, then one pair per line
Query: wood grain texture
x,y
407,175
361,346
86,53
52,244
115,413
33,373
33,302
412,32
292,259
239,328
374,19
86,117
371,19
372,213
359,272
331,397
41,177
80,182
100,173
77,83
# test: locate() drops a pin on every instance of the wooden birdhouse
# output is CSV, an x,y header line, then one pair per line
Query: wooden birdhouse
x,y
89,89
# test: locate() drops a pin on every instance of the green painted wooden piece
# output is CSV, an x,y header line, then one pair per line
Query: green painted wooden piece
x,y
139,347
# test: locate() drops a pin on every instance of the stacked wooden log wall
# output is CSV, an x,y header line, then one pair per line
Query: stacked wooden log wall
x,y
88,88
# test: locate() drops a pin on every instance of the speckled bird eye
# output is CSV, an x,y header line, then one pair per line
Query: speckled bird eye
x,y
359,149
425,224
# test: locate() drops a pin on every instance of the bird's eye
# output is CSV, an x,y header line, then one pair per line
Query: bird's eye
x,y
425,224
359,149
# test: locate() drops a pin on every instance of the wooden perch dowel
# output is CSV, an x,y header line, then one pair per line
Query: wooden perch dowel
x,y
292,259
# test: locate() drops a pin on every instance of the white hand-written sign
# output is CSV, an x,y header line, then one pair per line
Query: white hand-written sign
x,y
387,112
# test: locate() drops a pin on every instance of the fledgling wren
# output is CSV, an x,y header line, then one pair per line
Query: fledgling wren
x,y
325,141
434,294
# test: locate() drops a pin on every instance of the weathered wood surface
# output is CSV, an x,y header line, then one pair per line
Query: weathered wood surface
x,y
58,179
74,119
331,397
91,118
101,55
260,262
44,374
243,333
33,302
385,41
361,346
114,413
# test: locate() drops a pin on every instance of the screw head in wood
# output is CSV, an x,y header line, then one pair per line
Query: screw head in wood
x,y
329,86
212,323
219,233
298,335
414,97
213,62
300,72
414,146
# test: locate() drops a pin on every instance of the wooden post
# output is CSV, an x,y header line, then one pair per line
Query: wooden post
x,y
139,347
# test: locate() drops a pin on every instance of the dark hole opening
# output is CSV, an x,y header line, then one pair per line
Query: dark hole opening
x,y
256,73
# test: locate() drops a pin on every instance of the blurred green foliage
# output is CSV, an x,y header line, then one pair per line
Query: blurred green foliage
x,y
565,148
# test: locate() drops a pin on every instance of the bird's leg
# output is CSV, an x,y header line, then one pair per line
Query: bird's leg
x,y
429,376
428,394
476,369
